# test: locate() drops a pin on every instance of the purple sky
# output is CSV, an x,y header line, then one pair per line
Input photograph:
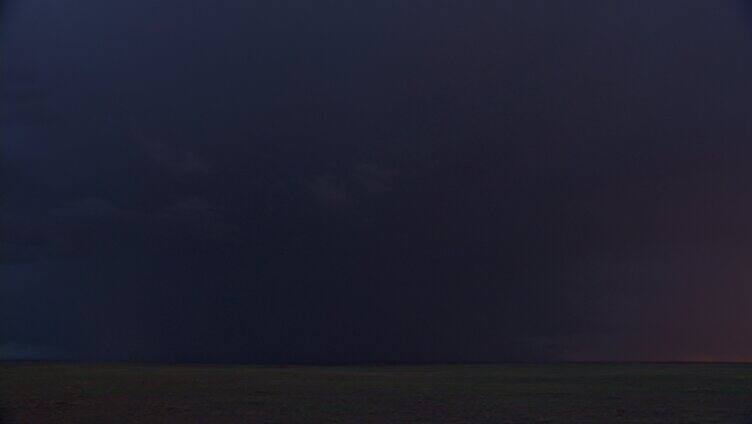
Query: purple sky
x,y
337,181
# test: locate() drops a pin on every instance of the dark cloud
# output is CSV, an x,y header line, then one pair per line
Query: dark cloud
x,y
21,252
374,178
14,351
175,159
328,192
89,208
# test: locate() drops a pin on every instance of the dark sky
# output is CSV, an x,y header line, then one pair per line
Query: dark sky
x,y
339,181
